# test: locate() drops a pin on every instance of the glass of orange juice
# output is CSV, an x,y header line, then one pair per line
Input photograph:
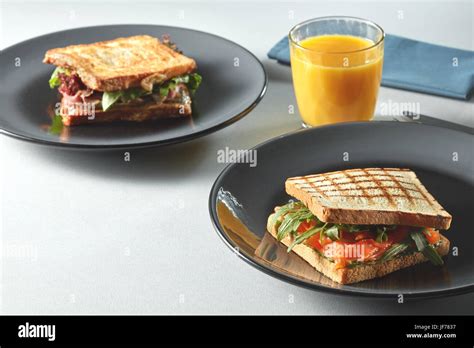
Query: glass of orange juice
x,y
336,64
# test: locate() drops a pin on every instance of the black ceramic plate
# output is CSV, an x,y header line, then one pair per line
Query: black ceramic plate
x,y
243,197
228,92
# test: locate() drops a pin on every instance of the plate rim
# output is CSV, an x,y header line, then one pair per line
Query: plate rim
x,y
156,143
305,284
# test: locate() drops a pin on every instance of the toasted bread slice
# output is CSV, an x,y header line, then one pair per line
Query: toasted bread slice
x,y
360,272
121,63
385,196
131,113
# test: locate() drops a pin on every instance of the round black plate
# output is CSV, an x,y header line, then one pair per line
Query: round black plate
x,y
243,197
234,81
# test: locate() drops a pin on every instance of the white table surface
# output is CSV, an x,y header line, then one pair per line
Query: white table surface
x,y
86,232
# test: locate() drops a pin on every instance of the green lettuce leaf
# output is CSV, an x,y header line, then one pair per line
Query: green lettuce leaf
x,y
192,82
133,93
110,98
54,80
56,125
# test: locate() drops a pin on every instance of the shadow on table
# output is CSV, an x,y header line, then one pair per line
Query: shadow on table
x,y
169,163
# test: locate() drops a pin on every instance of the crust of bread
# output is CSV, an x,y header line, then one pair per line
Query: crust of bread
x,y
131,113
121,63
358,273
381,201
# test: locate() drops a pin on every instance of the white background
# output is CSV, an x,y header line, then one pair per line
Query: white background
x,y
105,236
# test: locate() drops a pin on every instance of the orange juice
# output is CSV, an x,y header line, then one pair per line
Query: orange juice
x,y
336,78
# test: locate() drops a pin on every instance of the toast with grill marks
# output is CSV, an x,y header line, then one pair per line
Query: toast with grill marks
x,y
121,63
388,196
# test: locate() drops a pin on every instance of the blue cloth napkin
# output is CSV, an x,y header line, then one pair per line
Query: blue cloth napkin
x,y
416,66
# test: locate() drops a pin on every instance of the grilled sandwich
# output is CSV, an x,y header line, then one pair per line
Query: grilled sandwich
x,y
134,78
359,224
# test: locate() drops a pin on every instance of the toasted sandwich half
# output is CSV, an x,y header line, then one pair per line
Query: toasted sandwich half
x,y
134,78
359,224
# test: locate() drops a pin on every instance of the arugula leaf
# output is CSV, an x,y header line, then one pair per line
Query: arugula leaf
x,y
428,251
303,236
393,251
292,221
420,241
332,232
109,99
287,226
381,234
282,211
54,80
431,254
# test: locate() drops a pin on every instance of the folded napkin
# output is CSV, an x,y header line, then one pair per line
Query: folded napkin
x,y
416,66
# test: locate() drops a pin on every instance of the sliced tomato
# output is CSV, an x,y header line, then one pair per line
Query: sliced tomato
x,y
351,246
399,234
306,225
315,242
373,250
364,250
432,236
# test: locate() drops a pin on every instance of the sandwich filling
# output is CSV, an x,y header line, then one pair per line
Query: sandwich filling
x,y
353,245
75,94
